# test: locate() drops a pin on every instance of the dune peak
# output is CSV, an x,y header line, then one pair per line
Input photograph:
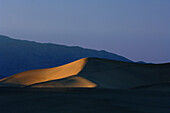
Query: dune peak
x,y
42,75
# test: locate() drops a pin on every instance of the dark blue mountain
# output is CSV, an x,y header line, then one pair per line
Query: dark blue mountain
x,y
20,55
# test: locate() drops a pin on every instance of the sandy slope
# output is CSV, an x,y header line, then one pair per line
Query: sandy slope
x,y
116,74
42,75
104,73
73,82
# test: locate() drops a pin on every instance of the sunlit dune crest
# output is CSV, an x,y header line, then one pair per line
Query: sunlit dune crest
x,y
70,82
42,75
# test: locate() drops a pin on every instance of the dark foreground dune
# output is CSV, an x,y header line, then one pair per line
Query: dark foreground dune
x,y
31,100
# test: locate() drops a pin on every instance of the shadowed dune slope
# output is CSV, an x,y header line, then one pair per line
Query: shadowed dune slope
x,y
116,74
73,82
102,72
162,86
51,100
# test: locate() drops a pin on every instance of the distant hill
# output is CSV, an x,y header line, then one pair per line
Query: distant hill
x,y
21,55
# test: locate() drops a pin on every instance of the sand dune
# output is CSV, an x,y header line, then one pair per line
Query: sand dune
x,y
116,74
104,73
42,75
162,86
73,82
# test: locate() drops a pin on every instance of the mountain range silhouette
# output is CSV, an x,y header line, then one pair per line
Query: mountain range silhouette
x,y
20,55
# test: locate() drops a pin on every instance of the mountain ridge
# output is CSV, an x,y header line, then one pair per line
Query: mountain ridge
x,y
20,55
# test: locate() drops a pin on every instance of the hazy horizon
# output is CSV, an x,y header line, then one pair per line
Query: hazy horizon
x,y
135,29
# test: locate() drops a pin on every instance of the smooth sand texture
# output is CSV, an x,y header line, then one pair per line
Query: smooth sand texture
x,y
70,82
104,73
124,75
162,86
43,75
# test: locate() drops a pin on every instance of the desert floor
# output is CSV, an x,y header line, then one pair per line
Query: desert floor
x,y
34,100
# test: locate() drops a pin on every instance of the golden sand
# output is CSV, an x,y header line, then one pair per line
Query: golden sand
x,y
42,75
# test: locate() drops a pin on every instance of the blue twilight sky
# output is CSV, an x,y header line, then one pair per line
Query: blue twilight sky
x,y
136,29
